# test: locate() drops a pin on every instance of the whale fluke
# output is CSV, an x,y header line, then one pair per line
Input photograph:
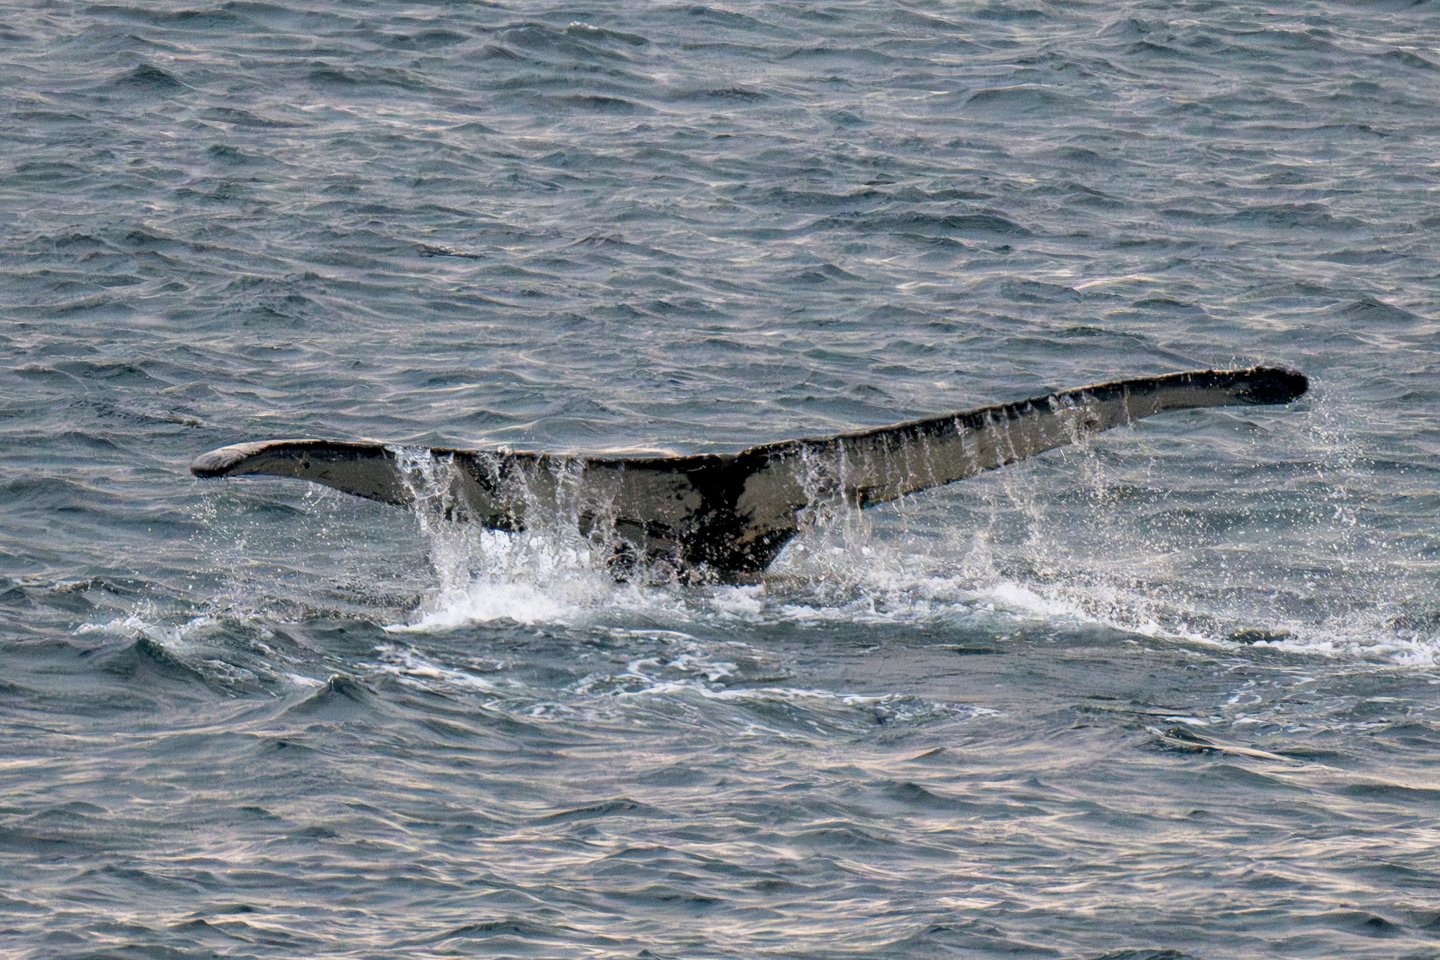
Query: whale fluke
x,y
727,515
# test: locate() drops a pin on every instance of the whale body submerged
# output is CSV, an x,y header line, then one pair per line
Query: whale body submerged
x,y
726,516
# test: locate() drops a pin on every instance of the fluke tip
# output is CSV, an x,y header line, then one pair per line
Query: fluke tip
x,y
1275,385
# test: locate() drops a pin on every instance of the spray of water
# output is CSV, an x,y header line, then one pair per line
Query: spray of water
x,y
1280,553
1292,559
557,569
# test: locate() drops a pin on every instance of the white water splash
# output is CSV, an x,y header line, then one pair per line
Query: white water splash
x,y
1112,551
146,622
553,571
414,668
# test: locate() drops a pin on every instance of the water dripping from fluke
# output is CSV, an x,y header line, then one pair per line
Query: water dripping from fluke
x,y
533,538
558,566
726,517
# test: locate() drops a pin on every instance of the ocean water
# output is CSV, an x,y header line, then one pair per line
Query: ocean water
x,y
1172,694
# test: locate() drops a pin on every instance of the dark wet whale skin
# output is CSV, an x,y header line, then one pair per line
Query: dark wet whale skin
x,y
726,516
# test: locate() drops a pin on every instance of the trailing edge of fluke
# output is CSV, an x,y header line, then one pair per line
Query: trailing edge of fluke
x,y
725,516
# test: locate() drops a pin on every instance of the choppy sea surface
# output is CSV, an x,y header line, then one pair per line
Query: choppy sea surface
x,y
1172,694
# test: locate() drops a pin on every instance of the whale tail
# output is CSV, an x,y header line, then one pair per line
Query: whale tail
x,y
726,516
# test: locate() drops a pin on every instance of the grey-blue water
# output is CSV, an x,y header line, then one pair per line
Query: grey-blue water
x,y
1173,694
